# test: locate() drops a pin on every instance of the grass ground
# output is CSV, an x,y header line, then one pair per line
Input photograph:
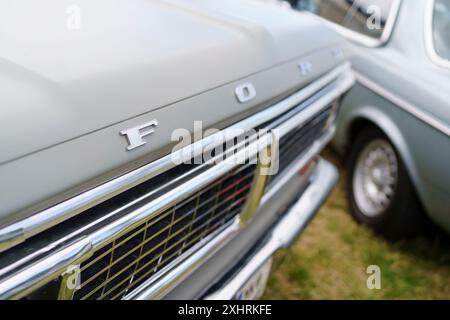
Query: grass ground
x,y
330,259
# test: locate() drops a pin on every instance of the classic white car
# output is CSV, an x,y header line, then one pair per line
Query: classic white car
x,y
98,198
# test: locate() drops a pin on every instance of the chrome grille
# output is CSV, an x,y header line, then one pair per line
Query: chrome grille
x,y
299,140
122,265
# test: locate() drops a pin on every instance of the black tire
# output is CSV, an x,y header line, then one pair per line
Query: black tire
x,y
403,216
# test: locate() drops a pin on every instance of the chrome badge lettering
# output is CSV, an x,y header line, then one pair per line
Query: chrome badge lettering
x,y
135,135
305,68
245,92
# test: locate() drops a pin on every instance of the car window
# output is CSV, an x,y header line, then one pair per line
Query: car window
x,y
367,17
441,28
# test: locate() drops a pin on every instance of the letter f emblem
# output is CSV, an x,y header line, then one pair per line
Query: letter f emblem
x,y
135,135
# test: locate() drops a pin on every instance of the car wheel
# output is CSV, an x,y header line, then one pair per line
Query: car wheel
x,y
380,191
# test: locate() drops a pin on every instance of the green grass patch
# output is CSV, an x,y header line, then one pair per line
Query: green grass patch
x,y
330,259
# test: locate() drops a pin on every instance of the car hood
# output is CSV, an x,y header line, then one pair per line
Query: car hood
x,y
69,68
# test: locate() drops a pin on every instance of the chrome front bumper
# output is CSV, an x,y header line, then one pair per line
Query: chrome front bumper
x,y
286,231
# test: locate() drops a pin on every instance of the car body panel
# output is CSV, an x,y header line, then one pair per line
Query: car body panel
x,y
427,173
404,93
62,83
73,97
102,155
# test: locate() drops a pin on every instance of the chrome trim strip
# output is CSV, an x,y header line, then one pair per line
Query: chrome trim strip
x,y
257,189
295,167
38,274
157,288
403,104
286,230
366,40
317,106
20,231
428,34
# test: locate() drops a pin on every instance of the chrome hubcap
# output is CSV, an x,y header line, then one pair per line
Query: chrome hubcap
x,y
375,178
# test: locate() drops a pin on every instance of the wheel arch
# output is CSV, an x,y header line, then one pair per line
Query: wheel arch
x,y
370,115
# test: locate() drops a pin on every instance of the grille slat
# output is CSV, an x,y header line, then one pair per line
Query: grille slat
x,y
296,142
125,263
162,262
144,276
111,264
